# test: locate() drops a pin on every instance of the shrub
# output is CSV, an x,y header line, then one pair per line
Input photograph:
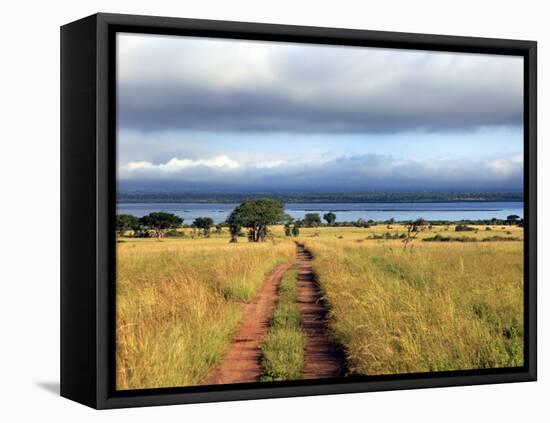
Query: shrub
x,y
141,233
463,228
173,233
312,220
205,224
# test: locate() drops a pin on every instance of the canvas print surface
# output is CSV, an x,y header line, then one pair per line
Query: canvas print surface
x,y
292,211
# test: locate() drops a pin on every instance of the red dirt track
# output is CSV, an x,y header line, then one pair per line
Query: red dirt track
x,y
242,362
322,359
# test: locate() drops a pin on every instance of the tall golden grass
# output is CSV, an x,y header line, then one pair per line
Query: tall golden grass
x,y
177,305
437,306
433,308
283,348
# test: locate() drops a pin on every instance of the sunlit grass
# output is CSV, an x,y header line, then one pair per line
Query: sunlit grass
x,y
430,308
353,233
177,304
435,306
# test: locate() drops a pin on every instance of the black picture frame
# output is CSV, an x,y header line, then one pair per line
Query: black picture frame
x,y
88,202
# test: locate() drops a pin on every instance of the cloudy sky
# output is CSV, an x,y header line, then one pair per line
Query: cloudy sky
x,y
199,113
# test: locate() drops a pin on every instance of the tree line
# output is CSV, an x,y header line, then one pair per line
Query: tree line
x,y
256,215
134,194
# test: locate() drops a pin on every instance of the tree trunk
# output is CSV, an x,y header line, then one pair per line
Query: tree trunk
x,y
262,232
255,233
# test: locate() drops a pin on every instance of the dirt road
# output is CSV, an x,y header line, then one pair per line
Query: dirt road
x,y
242,362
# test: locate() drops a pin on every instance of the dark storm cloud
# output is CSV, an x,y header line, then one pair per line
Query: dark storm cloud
x,y
196,84
359,172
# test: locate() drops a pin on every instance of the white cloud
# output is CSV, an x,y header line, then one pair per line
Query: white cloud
x,y
505,167
176,165
367,171
138,166
218,162
221,163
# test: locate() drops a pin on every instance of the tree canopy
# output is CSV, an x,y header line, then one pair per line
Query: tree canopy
x,y
512,219
312,220
330,218
204,223
160,222
256,215
125,222
414,227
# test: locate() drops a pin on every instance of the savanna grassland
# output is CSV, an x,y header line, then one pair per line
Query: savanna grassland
x,y
177,304
432,306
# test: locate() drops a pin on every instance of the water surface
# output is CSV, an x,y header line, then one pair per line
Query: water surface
x,y
344,211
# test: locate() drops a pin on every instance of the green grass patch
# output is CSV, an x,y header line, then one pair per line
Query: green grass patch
x,y
395,270
440,238
238,289
284,345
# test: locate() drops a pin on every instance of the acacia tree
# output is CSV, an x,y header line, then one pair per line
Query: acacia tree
x,y
414,227
512,219
255,215
289,220
125,222
139,230
330,217
161,222
288,229
312,220
234,230
361,223
204,223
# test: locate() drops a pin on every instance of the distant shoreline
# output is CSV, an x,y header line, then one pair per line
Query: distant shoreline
x,y
164,201
349,210
345,211
125,197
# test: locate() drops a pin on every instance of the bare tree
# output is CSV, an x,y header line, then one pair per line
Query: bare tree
x,y
414,227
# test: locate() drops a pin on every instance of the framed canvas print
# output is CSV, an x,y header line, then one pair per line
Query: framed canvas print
x,y
257,211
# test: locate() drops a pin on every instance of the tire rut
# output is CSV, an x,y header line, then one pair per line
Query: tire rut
x,y
242,362
322,358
